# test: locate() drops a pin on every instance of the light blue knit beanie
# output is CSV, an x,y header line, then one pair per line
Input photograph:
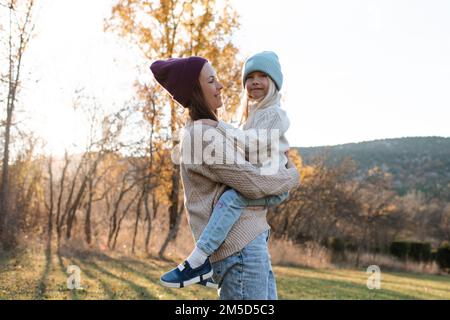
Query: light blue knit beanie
x,y
267,62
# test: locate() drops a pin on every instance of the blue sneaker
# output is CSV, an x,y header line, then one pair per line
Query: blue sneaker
x,y
184,275
209,283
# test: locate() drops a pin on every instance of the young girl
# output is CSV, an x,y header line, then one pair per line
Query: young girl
x,y
262,80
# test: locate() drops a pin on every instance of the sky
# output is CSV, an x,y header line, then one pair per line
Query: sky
x,y
354,70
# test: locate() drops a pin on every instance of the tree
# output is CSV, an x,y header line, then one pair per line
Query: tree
x,y
50,205
175,28
321,206
26,195
377,199
444,224
16,39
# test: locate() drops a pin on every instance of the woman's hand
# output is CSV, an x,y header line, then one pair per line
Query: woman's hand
x,y
208,122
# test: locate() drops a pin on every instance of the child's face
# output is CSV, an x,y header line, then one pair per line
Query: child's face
x,y
257,85
211,87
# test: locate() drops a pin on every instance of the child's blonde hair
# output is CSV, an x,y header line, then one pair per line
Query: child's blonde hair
x,y
272,97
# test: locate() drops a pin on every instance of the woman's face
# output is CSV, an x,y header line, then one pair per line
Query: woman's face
x,y
211,87
257,85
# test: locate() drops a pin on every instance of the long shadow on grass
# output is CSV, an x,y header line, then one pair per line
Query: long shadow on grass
x,y
106,287
42,284
73,293
5,257
121,263
134,266
90,255
125,264
141,291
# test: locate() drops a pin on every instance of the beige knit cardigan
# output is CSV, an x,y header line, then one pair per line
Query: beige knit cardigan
x,y
204,183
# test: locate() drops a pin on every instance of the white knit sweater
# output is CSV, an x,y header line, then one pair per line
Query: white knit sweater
x,y
251,139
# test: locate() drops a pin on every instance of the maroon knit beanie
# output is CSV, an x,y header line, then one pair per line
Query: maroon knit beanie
x,y
178,76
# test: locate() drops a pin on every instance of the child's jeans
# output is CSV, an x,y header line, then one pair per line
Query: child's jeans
x,y
226,212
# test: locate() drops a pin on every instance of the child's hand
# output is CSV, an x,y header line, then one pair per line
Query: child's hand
x,y
289,164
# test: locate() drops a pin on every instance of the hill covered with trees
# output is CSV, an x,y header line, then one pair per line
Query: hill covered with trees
x,y
416,163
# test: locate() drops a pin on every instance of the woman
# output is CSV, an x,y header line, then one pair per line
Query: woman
x,y
241,265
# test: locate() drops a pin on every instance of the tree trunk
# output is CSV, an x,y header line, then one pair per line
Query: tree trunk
x,y
136,223
175,188
155,205
172,233
119,224
88,178
61,191
148,216
87,222
113,220
68,206
50,209
4,205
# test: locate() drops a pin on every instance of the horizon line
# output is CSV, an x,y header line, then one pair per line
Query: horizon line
x,y
365,141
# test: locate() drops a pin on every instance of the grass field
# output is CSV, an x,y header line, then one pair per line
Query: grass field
x,y
31,275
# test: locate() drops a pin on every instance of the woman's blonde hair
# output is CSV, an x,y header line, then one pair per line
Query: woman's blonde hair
x,y
272,97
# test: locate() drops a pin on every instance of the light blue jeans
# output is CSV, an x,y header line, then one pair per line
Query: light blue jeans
x,y
247,274
225,214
